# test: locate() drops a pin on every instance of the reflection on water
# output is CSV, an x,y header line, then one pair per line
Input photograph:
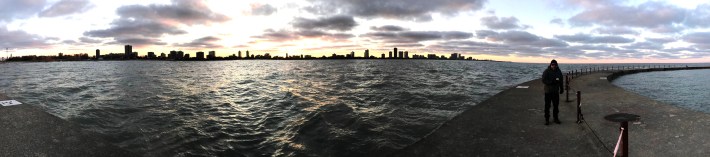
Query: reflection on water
x,y
684,88
262,107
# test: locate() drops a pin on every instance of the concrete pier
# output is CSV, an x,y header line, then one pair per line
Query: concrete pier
x,y
26,130
511,124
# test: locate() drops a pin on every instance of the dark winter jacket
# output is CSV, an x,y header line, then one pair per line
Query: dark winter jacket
x,y
552,85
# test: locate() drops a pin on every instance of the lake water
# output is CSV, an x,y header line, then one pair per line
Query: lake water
x,y
262,107
688,89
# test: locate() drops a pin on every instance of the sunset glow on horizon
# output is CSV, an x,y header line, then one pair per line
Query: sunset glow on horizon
x,y
572,31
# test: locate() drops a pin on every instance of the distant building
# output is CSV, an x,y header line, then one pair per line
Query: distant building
x,y
406,54
432,56
212,55
187,56
180,54
248,54
352,54
401,54
395,52
60,55
383,56
151,55
98,54
454,56
240,54
162,55
128,50
172,55
367,54
390,56
200,55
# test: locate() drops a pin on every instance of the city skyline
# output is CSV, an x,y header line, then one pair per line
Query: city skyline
x,y
178,55
573,31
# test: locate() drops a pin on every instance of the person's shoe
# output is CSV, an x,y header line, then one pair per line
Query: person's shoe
x,y
547,122
558,121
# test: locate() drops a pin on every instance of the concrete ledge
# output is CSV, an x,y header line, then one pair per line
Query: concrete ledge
x,y
26,130
511,124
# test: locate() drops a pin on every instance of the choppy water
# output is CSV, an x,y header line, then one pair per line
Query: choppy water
x,y
262,107
684,88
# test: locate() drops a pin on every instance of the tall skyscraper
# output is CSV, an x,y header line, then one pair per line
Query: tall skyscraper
x,y
352,54
390,56
240,54
406,54
98,54
401,54
367,54
128,51
247,53
395,52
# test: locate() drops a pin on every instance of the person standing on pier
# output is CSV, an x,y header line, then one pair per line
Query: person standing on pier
x,y
552,78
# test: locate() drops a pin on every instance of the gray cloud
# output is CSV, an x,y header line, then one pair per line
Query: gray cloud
x,y
635,16
145,28
262,9
644,45
148,23
416,10
658,17
700,39
89,40
137,41
661,40
699,17
590,39
13,9
416,36
519,38
557,21
615,30
187,12
339,23
493,22
284,35
20,39
66,7
277,36
204,42
388,28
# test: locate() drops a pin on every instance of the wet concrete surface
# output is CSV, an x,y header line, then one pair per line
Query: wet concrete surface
x,y
27,130
511,123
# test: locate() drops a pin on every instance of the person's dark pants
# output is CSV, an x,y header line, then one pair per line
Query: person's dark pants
x,y
553,98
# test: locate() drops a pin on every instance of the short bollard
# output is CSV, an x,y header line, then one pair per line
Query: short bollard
x,y
624,119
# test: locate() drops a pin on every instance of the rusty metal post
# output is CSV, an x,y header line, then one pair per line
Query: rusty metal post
x,y
623,119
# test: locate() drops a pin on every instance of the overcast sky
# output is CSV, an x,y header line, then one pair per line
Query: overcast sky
x,y
600,31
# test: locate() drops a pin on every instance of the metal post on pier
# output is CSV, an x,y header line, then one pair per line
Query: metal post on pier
x,y
622,118
580,117
567,87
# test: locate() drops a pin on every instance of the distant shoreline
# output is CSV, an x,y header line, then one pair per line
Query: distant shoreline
x,y
39,59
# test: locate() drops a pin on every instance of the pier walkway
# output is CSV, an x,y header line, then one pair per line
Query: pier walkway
x,y
511,123
27,130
